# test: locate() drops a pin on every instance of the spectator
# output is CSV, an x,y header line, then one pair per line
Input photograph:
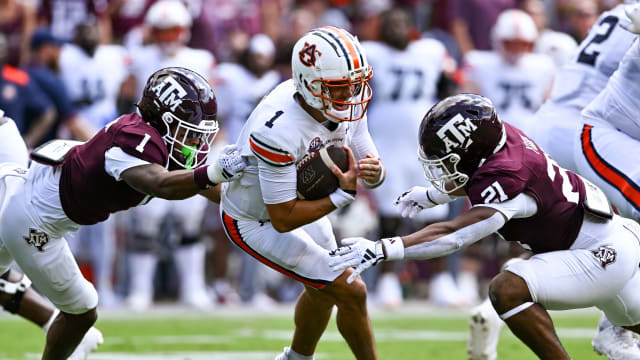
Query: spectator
x,y
43,68
17,23
62,16
23,101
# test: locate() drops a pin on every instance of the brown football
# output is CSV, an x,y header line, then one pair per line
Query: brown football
x,y
315,179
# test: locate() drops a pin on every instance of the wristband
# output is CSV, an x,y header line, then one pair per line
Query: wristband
x,y
201,177
341,198
393,248
378,182
438,198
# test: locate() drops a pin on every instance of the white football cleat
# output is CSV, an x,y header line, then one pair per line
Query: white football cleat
x,y
89,343
484,332
389,291
633,12
284,355
614,342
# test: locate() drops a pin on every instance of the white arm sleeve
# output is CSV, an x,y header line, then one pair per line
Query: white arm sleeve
x,y
450,243
278,184
361,142
117,161
521,206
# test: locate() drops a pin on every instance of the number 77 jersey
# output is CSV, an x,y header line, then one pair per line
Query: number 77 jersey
x,y
522,167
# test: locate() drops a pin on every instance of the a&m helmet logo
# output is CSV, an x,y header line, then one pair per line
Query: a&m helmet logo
x,y
308,54
456,133
170,92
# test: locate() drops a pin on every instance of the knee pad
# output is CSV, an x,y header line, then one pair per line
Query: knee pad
x,y
16,290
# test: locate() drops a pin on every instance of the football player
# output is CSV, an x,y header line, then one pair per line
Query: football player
x,y
558,129
169,23
584,254
515,77
323,104
126,163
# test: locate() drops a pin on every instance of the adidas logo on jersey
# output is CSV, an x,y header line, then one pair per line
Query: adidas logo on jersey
x,y
170,92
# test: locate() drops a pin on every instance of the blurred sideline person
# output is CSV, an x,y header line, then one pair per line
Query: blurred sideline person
x,y
22,100
512,75
558,129
16,295
239,88
584,254
93,74
169,23
403,87
131,160
323,104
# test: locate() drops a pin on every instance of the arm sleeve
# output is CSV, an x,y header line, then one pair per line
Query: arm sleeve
x,y
450,243
117,161
361,142
277,183
521,206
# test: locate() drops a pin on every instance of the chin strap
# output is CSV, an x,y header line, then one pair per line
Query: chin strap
x,y
16,289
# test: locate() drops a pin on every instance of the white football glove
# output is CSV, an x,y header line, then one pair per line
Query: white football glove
x,y
228,167
414,200
633,12
357,252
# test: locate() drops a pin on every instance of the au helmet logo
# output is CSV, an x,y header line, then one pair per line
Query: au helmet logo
x,y
308,54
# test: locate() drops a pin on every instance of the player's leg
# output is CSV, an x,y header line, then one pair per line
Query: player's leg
x,y
603,157
190,254
48,262
599,265
303,254
142,258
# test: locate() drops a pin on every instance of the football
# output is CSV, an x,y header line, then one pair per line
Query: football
x,y
315,179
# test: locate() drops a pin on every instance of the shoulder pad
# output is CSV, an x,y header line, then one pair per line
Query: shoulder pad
x,y
142,141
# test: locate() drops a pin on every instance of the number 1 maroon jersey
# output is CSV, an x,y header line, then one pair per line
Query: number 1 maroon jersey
x,y
87,193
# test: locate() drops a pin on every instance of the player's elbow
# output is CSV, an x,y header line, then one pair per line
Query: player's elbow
x,y
281,226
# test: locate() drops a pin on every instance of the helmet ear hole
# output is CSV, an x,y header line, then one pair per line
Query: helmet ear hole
x,y
166,117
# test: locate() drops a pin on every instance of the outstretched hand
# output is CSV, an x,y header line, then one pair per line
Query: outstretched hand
x,y
357,252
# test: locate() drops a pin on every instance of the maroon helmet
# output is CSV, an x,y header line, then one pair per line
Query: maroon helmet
x,y
456,136
181,105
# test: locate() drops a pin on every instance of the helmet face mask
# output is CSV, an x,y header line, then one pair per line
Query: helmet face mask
x,y
442,172
181,105
331,72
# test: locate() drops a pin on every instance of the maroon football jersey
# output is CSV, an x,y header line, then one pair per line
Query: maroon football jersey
x,y
87,193
521,166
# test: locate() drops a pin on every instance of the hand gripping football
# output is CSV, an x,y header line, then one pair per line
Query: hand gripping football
x,y
315,179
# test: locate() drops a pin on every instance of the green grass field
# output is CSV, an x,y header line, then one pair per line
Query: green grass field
x,y
415,332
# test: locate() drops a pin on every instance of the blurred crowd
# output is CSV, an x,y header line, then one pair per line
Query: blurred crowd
x,y
68,67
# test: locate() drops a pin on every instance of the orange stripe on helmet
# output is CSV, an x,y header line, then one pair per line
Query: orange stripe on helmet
x,y
610,174
351,47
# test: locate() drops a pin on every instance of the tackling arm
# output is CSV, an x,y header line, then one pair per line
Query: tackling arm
x,y
155,180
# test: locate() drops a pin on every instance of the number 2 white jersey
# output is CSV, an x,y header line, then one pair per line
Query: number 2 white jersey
x,y
238,92
280,133
517,91
598,56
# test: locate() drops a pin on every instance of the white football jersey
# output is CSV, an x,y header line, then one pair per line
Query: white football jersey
x,y
280,133
517,91
597,58
150,59
93,83
238,91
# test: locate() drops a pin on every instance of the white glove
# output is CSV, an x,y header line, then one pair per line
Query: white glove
x,y
357,252
633,12
228,167
414,200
